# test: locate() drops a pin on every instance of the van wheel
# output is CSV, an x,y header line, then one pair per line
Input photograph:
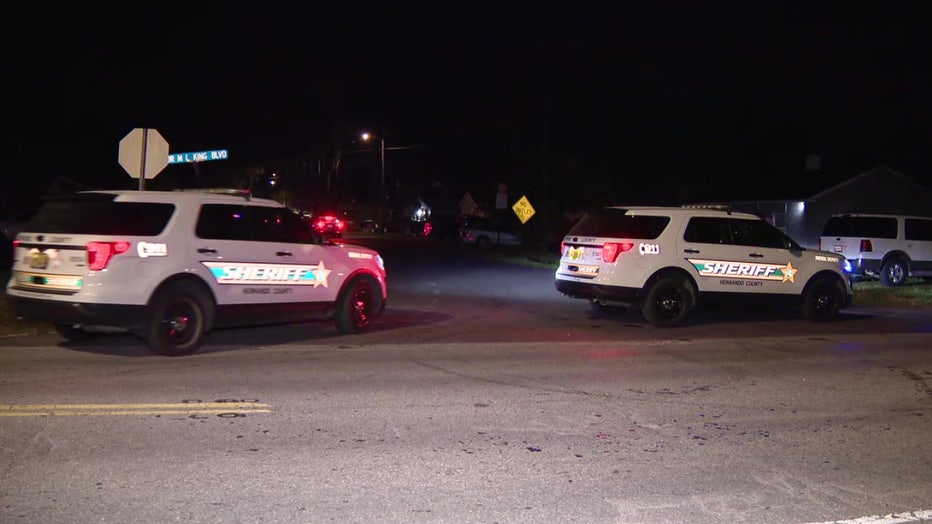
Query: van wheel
x,y
823,300
894,272
359,303
179,318
73,333
668,301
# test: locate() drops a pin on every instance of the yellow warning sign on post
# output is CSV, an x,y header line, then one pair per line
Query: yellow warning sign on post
x,y
523,209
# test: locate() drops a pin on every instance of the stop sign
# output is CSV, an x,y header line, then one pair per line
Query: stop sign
x,y
143,153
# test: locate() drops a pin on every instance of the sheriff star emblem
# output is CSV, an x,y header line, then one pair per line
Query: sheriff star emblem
x,y
320,275
789,273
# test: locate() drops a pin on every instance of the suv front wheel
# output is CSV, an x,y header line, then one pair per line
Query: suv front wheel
x,y
668,301
178,320
823,299
359,303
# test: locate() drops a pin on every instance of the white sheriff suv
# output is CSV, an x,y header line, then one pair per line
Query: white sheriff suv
x,y
170,266
664,260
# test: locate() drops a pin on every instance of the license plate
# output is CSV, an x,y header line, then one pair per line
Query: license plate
x,y
839,248
38,261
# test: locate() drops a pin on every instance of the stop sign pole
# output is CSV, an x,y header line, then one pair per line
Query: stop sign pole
x,y
143,154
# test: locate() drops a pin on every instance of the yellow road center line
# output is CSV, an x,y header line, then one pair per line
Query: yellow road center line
x,y
184,408
185,405
71,413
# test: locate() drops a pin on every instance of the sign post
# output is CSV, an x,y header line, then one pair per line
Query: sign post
x,y
143,154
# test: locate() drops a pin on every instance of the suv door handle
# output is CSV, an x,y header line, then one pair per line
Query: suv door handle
x,y
207,250
691,251
283,253
755,255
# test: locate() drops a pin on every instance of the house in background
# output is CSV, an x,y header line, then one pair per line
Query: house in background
x,y
879,190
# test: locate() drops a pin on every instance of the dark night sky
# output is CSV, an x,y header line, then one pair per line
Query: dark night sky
x,y
701,103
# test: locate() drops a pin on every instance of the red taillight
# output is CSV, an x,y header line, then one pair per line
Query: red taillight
x,y
611,250
100,253
340,225
427,228
866,245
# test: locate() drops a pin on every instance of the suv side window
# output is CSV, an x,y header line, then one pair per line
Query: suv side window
x,y
758,233
223,222
918,229
708,230
279,225
873,227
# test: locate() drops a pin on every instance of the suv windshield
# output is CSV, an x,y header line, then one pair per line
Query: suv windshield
x,y
100,215
615,223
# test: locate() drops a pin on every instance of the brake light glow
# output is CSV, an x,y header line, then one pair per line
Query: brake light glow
x,y
866,245
329,219
99,254
611,250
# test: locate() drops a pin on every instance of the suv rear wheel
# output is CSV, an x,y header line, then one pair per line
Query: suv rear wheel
x,y
179,320
668,301
894,272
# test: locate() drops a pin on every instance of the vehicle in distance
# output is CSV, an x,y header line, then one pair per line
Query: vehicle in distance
x,y
666,260
889,247
482,231
170,266
328,225
444,227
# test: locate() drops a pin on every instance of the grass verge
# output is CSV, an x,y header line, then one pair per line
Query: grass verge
x,y
915,293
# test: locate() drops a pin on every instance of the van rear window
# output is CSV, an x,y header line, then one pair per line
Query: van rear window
x,y
615,223
848,226
100,215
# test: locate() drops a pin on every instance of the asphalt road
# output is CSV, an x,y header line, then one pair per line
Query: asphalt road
x,y
480,396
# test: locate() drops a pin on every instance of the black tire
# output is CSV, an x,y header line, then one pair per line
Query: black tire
x,y
894,272
179,319
359,303
668,301
823,299
73,333
482,241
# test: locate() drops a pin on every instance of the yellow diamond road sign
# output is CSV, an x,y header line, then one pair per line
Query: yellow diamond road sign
x,y
523,209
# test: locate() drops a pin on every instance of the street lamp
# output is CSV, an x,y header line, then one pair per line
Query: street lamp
x,y
368,136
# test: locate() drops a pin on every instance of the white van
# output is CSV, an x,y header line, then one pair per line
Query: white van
x,y
888,247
